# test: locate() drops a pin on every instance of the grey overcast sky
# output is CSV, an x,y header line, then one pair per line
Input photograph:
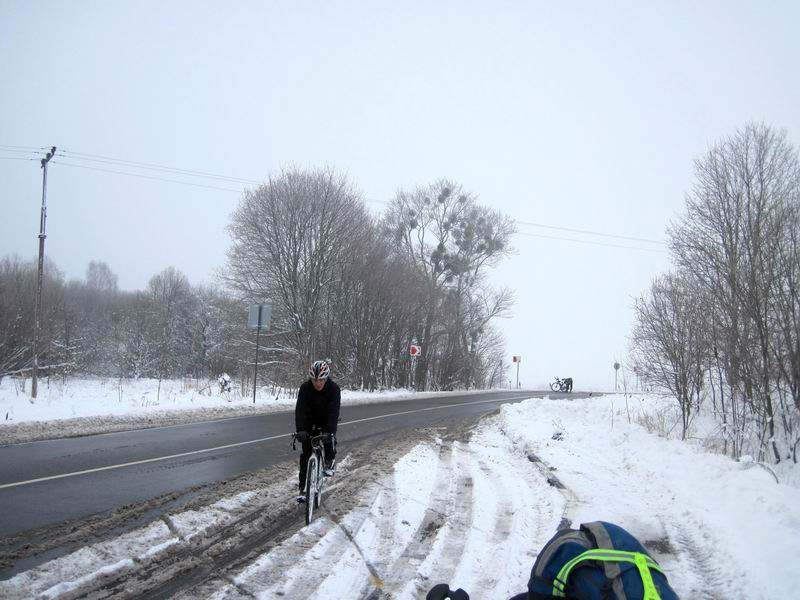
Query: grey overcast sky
x,y
582,115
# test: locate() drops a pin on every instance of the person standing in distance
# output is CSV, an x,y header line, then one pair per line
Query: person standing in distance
x,y
317,411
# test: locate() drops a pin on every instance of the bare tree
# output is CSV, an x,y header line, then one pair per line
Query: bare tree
x,y
170,296
669,342
100,277
451,240
289,235
375,300
730,241
17,289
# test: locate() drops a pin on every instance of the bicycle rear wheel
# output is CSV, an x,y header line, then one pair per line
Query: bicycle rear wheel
x,y
311,488
555,386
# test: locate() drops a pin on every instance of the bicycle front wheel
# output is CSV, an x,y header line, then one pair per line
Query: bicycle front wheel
x,y
311,487
320,482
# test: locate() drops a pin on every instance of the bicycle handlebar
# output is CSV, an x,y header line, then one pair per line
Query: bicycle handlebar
x,y
313,438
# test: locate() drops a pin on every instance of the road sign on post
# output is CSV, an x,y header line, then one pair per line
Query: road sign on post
x,y
517,359
414,352
258,318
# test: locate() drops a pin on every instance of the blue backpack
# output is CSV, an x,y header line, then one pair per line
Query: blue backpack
x,y
599,561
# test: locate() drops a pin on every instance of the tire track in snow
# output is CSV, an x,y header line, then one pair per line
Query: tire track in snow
x,y
505,525
478,525
386,547
344,544
487,529
458,513
701,562
524,511
271,571
383,511
511,507
440,538
405,567
290,572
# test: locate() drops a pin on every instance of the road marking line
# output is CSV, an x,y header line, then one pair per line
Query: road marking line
x,y
265,439
138,462
269,413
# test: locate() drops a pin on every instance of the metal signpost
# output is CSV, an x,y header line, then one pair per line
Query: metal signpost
x,y
616,371
517,359
414,351
258,318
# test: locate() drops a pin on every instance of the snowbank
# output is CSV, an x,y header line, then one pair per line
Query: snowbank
x,y
725,526
87,406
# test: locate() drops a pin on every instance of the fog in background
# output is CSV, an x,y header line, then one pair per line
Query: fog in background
x,y
581,117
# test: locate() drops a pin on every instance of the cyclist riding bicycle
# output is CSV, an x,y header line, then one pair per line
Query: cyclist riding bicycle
x,y
317,410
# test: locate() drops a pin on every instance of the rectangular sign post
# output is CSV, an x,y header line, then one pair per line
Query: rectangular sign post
x,y
258,318
414,351
517,359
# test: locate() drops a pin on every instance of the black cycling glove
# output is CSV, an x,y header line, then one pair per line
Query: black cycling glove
x,y
442,591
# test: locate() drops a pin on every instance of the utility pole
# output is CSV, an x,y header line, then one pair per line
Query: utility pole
x,y
42,236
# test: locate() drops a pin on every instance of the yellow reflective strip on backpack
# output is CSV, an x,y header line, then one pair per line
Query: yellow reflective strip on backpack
x,y
650,592
642,562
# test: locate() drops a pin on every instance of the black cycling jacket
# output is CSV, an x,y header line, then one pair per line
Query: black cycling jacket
x,y
320,409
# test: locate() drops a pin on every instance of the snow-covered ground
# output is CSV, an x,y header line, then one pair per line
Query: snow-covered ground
x,y
82,406
475,512
95,397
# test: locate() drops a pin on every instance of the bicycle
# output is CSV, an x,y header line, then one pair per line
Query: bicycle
x,y
560,385
315,472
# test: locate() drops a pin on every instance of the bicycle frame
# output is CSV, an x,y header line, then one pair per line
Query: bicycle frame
x,y
315,475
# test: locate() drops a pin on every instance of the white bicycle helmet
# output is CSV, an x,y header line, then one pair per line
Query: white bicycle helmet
x,y
319,369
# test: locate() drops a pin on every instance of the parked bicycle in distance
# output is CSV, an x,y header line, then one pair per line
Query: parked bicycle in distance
x,y
562,385
315,472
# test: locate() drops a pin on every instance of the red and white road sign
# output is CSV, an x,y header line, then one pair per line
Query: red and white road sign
x,y
517,359
414,350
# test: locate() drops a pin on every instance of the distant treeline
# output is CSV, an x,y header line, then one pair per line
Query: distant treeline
x,y
344,285
724,326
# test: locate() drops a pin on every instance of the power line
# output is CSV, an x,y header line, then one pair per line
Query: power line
x,y
153,166
552,237
210,187
97,158
23,147
583,231
11,150
151,177
587,232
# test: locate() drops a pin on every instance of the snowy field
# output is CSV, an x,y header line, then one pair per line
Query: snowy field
x,y
81,406
475,512
82,398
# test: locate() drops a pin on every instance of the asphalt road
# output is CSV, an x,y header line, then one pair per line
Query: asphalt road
x,y
47,482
